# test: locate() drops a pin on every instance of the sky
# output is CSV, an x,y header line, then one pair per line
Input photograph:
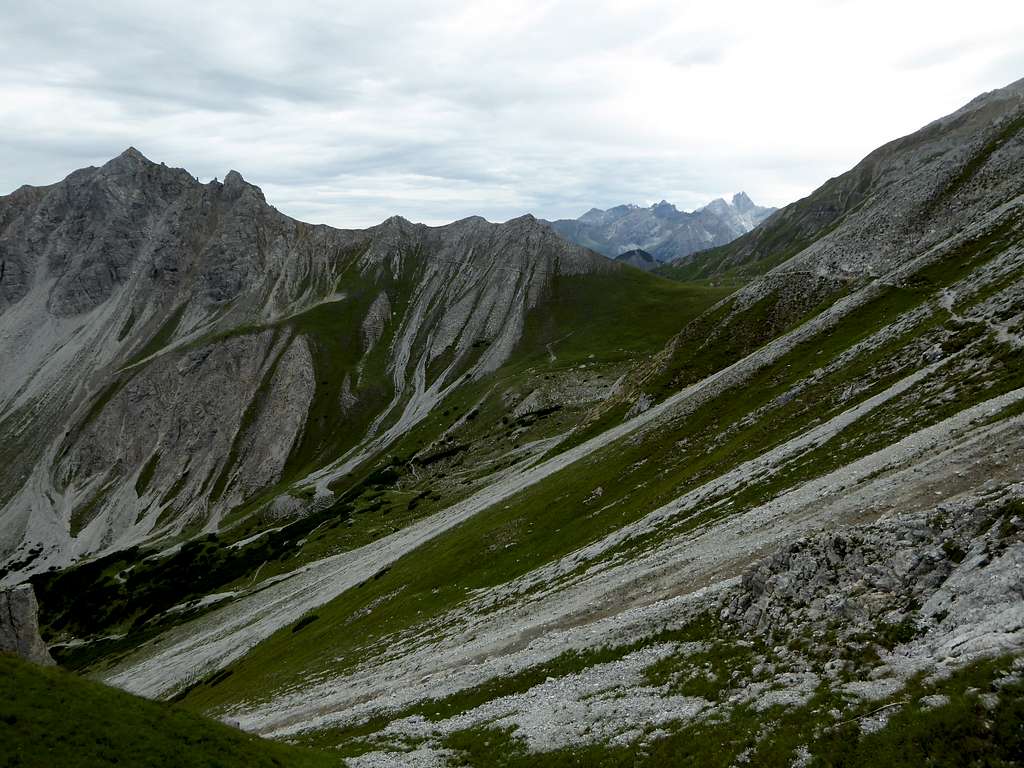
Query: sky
x,y
346,113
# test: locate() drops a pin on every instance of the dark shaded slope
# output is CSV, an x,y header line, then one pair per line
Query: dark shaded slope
x,y
50,718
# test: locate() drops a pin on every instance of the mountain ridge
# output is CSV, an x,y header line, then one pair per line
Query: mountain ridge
x,y
144,302
661,229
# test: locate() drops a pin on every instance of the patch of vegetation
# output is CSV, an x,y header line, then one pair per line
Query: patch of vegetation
x,y
706,673
127,589
161,338
963,733
890,635
82,515
613,316
146,475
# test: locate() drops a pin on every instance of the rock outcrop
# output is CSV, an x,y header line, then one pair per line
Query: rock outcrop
x,y
19,625
933,585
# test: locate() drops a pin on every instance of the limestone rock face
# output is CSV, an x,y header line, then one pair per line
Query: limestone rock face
x,y
947,578
19,625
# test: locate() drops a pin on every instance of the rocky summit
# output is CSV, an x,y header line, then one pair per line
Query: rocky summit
x,y
477,495
662,231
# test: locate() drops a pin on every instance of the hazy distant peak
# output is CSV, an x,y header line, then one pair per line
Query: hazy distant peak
x,y
718,205
742,202
662,230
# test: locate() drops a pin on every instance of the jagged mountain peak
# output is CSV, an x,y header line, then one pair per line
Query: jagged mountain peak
x,y
741,201
527,222
130,156
472,220
395,224
131,168
131,163
592,214
718,205
235,187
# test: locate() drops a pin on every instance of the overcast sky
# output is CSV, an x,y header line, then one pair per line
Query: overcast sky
x,y
348,112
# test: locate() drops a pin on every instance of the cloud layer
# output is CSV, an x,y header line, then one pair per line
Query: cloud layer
x,y
346,113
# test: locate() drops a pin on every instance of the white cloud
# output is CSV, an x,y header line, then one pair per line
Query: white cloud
x,y
440,110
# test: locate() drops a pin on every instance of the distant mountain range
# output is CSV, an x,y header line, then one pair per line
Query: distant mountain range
x,y
663,231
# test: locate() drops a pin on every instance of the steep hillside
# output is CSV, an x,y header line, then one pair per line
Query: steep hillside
x,y
902,189
662,230
941,201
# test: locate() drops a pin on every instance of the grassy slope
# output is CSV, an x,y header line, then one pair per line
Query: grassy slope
x,y
52,718
610,317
